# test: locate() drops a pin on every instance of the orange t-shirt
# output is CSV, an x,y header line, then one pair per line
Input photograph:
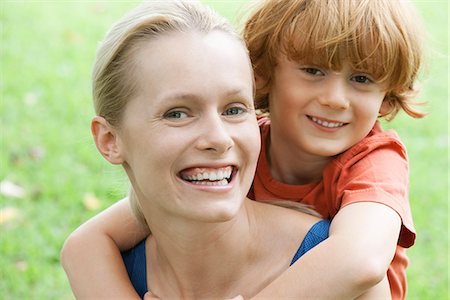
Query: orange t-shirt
x,y
373,170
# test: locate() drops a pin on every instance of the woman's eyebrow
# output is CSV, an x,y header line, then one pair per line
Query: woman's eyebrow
x,y
236,92
194,96
180,96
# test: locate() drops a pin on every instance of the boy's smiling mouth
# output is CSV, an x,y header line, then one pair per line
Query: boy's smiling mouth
x,y
326,123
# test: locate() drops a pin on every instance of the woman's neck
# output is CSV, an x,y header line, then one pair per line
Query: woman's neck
x,y
198,260
192,261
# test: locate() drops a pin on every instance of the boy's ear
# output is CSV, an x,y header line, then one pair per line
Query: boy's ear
x,y
106,140
386,106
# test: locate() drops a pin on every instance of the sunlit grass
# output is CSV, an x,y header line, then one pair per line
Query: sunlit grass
x,y
47,49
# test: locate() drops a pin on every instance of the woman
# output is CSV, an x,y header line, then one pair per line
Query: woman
x,y
173,94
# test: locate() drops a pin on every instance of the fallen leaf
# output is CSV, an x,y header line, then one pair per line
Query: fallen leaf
x,y
31,98
36,153
21,265
16,159
91,202
8,214
74,37
10,189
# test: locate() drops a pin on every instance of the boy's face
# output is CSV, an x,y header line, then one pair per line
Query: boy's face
x,y
321,112
189,137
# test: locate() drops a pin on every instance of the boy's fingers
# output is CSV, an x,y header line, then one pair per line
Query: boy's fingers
x,y
239,297
150,296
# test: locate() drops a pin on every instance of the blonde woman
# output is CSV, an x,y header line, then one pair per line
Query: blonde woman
x,y
173,93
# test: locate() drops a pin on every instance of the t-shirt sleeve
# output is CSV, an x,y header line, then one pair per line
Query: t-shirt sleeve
x,y
377,171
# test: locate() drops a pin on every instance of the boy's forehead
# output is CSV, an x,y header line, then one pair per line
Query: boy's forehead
x,y
359,56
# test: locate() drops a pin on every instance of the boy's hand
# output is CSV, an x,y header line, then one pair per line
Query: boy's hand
x,y
150,296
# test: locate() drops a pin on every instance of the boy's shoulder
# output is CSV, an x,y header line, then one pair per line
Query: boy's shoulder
x,y
378,142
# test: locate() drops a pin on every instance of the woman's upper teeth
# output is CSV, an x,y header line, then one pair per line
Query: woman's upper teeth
x,y
210,174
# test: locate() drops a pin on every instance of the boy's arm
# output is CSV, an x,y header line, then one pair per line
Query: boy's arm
x,y
378,292
355,257
91,254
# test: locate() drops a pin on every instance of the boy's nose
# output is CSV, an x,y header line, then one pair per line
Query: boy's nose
x,y
334,95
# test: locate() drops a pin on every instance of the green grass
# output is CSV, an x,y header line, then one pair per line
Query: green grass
x,y
46,51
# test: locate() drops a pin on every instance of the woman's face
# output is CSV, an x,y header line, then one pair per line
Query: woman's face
x,y
189,136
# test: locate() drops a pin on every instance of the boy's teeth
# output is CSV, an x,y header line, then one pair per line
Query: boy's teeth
x,y
326,123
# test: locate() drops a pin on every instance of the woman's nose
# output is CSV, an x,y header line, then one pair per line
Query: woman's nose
x,y
215,135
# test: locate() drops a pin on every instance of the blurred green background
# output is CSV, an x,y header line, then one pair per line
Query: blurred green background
x,y
52,177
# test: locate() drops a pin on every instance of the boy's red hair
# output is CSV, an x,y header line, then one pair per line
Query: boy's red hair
x,y
379,37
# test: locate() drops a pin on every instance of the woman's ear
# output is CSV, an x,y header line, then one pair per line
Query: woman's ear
x,y
106,140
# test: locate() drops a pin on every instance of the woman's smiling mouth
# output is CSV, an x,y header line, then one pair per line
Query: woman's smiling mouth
x,y
208,176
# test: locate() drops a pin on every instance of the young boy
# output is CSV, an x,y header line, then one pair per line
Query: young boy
x,y
325,71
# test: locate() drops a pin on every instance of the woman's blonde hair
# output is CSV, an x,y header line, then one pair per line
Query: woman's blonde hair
x,y
381,37
113,80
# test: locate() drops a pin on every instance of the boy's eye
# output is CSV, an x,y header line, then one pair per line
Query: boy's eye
x,y
176,115
361,79
235,110
312,71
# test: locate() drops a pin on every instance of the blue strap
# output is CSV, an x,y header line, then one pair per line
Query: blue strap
x,y
317,234
136,265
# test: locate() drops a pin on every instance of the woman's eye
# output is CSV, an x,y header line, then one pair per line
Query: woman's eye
x,y
313,71
176,114
361,79
235,110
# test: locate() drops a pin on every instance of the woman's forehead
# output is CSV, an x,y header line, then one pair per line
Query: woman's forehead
x,y
191,61
183,48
